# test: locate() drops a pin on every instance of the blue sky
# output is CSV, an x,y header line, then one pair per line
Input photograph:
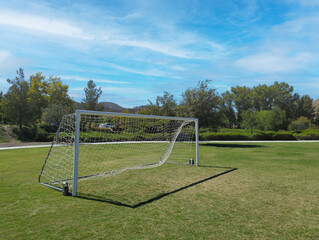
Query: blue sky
x,y
135,50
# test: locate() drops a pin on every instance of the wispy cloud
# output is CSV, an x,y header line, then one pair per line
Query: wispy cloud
x,y
85,79
155,73
166,38
10,62
126,90
37,23
272,62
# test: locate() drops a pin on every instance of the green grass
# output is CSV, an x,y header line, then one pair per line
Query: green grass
x,y
273,194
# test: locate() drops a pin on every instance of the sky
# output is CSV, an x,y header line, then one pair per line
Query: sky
x,y
137,49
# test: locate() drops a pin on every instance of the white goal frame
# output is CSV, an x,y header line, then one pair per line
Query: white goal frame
x,y
78,114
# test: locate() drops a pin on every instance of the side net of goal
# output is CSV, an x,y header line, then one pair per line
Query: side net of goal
x,y
110,144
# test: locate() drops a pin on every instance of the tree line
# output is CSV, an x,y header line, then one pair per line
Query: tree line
x,y
274,107
42,100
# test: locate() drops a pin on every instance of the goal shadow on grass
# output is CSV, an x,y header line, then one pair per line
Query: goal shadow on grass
x,y
231,145
142,203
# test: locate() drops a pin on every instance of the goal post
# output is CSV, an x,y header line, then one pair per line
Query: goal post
x,y
91,144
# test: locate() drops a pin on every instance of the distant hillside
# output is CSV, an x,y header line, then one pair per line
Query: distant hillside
x,y
113,107
110,106
316,104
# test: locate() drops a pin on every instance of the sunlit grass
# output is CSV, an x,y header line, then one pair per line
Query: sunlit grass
x,y
273,194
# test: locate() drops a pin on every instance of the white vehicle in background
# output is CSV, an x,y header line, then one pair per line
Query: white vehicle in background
x,y
106,125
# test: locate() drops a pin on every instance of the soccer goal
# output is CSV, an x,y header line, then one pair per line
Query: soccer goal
x,y
90,144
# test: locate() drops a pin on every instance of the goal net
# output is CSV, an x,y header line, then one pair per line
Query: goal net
x,y
91,144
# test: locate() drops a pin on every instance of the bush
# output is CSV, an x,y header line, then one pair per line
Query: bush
x,y
41,135
307,135
212,136
301,123
139,138
94,139
33,133
284,136
264,136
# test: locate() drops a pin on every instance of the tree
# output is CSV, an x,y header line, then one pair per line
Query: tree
x,y
284,99
164,106
15,105
150,109
92,95
268,120
201,102
249,120
37,95
227,110
301,123
167,104
316,118
304,107
53,114
242,100
1,106
57,93
262,98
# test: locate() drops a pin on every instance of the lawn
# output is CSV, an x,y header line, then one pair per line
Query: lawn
x,y
241,191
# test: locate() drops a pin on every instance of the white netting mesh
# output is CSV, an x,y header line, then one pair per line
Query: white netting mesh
x,y
112,144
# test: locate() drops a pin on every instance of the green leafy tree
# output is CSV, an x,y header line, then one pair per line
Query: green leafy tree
x,y
92,95
262,98
249,120
164,106
15,105
268,120
316,118
52,115
167,104
304,107
58,101
301,123
57,93
284,99
37,96
201,102
242,97
150,109
227,110
1,107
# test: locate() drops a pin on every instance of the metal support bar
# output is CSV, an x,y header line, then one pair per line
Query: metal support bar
x,y
197,140
76,153
133,115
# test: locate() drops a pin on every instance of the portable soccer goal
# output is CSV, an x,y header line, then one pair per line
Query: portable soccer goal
x,y
90,144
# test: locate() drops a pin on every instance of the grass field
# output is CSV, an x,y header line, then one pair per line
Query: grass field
x,y
241,191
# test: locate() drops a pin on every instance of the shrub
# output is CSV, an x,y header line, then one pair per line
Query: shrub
x,y
139,138
41,135
301,123
94,139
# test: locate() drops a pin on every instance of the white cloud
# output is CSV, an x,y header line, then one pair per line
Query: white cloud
x,y
84,79
310,3
272,62
299,27
9,62
121,90
155,73
167,41
43,24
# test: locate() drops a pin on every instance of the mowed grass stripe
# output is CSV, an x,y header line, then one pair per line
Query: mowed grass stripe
x,y
273,194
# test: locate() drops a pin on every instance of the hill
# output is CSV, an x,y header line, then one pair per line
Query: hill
x,y
112,106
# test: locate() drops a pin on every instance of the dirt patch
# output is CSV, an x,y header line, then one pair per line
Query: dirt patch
x,y
11,139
